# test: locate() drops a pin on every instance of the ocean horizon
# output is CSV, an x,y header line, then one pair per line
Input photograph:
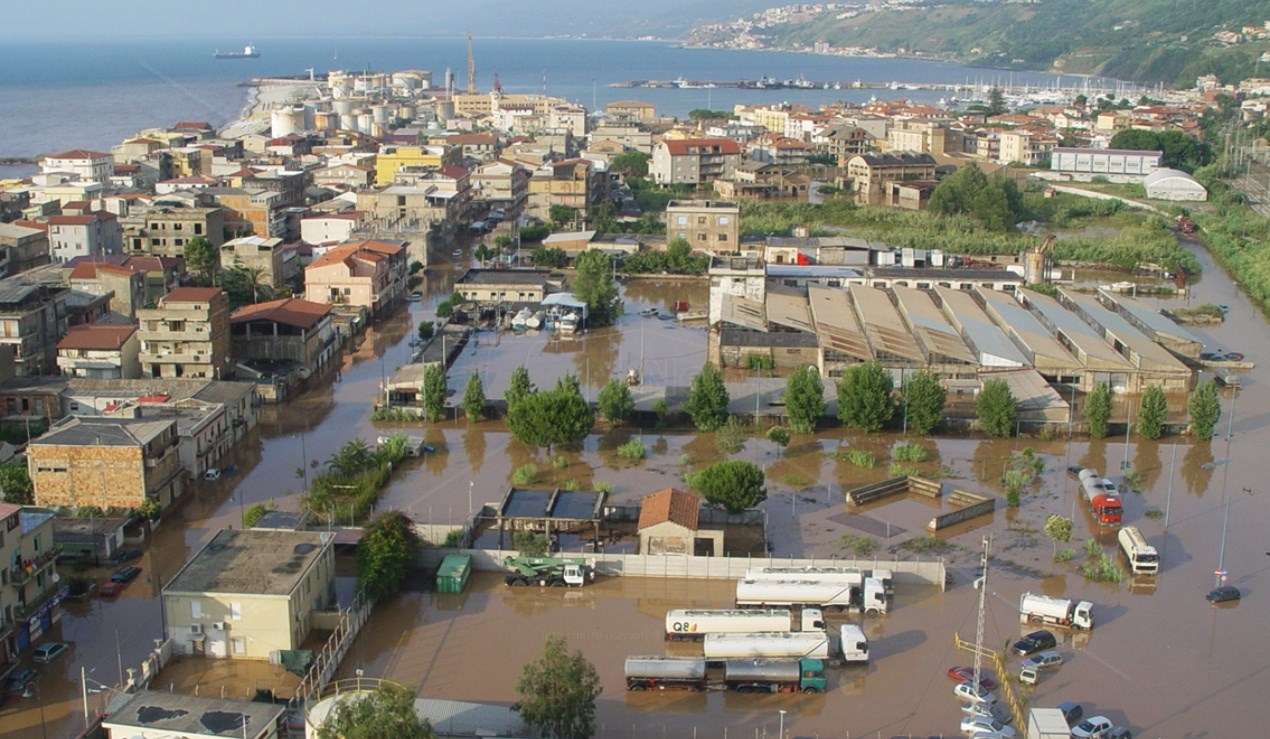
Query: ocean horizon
x,y
93,95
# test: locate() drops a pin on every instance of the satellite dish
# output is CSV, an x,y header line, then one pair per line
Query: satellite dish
x,y
57,578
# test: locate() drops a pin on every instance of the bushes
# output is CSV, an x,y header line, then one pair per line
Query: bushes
x,y
633,449
860,458
525,474
354,477
908,452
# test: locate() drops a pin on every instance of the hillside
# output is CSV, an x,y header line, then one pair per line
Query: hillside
x,y
1169,41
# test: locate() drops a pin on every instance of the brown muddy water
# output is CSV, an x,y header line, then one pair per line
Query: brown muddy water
x,y
1160,659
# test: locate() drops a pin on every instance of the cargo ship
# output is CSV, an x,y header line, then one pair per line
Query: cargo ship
x,y
249,52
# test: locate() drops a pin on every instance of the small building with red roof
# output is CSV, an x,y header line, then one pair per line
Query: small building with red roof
x,y
284,331
100,351
669,523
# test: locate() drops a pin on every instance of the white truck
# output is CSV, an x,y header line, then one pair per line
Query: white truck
x,y
1047,723
824,594
693,625
847,575
1042,609
855,645
1142,557
790,644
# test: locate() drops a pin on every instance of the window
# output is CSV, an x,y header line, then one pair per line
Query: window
x,y
178,226
198,228
702,237
723,237
196,610
235,611
178,242
701,220
724,220
681,220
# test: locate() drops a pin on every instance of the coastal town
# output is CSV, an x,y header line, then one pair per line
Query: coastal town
x,y
827,404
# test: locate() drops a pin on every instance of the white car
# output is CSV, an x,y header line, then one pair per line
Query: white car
x,y
978,725
974,693
1095,727
213,473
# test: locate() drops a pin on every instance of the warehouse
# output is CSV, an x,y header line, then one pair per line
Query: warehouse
x,y
995,349
1153,323
1172,184
946,352
1100,360
1044,352
1154,364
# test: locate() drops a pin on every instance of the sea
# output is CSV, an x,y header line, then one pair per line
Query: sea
x,y
93,94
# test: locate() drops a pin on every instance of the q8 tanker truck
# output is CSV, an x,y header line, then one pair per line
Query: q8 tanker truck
x,y
693,625
805,675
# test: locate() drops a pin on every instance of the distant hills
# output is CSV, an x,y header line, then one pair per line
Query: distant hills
x,y
1169,41
661,18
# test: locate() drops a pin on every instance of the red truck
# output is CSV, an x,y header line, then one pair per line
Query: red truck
x,y
1185,225
1102,496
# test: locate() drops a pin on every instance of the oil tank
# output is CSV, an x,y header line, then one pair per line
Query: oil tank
x,y
792,644
286,121
348,122
365,122
680,668
767,670
381,113
445,110
1033,267
343,107
325,121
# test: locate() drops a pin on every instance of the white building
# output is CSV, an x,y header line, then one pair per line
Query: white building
x,y
90,235
88,166
1172,184
1116,165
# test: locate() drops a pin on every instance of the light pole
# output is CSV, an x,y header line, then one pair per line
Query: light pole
x,y
781,735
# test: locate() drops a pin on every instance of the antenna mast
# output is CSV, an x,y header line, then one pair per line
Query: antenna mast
x,y
471,67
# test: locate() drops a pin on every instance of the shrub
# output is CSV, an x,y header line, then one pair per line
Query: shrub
x,y
453,538
1102,569
559,462
861,458
909,452
730,438
897,469
778,435
633,449
795,480
735,485
1065,555
604,487
572,486
254,513
859,544
525,474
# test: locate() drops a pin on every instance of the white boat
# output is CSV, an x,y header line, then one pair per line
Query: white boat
x,y
1123,287
534,321
569,323
520,321
647,312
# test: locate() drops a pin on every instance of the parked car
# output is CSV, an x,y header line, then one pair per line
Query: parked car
x,y
967,674
111,589
1034,642
978,725
1072,711
1095,727
974,694
20,680
416,296
1223,594
125,574
1044,660
125,555
212,473
49,651
1120,732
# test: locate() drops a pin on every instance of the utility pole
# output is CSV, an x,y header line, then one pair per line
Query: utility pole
x,y
471,67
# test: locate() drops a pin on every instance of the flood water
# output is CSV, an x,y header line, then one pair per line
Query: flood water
x,y
1160,659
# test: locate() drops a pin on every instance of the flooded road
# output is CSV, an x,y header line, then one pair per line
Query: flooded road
x,y
1161,659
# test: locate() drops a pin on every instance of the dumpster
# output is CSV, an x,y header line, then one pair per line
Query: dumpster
x,y
453,573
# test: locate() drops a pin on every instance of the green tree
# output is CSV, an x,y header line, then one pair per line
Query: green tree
x,y
1098,410
736,484
1058,529
383,556
561,215
201,259
15,484
596,286
924,399
558,692
549,257
530,544
615,402
434,392
997,408
996,101
426,330
474,398
804,399
1204,409
547,418
993,201
708,399
864,397
1152,413
518,386
389,711
630,164
483,253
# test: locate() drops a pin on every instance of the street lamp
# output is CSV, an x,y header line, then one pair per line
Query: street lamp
x,y
781,735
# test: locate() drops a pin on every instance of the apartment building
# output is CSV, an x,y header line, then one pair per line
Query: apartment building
x,y
573,183
275,265
33,316
90,235
104,351
1026,147
870,174
30,589
501,184
125,285
284,330
164,230
632,110
22,247
392,159
106,462
930,137
370,274
84,165
187,335
694,161
712,226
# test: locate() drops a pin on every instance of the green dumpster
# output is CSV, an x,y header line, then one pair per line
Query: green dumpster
x,y
452,576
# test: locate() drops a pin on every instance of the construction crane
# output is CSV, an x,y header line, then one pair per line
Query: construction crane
x,y
1036,262
471,67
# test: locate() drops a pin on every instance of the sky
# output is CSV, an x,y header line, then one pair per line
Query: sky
x,y
113,19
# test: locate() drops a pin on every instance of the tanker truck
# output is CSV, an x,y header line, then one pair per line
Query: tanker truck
x,y
1040,609
742,675
693,625
870,597
1102,496
791,644
849,575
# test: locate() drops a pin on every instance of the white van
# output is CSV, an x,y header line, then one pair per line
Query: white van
x,y
1143,559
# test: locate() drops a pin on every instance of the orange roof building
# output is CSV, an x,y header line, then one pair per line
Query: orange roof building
x,y
669,523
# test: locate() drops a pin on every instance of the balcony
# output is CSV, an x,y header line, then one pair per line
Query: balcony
x,y
20,574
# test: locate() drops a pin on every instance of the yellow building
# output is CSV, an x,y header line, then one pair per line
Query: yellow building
x,y
249,594
392,159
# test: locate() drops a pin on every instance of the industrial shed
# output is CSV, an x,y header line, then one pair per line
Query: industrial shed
x,y
551,512
1173,184
1155,365
669,523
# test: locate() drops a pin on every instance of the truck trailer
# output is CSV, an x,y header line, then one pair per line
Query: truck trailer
x,y
1102,496
693,625
1047,723
805,675
1142,557
1056,611
848,575
769,644
870,597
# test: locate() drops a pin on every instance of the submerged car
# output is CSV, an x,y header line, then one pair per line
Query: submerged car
x,y
1096,727
967,674
49,651
1046,660
1223,594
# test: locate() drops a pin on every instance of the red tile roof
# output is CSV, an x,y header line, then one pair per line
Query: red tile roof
x,y
671,505
684,147
371,251
191,294
89,270
79,154
104,336
289,311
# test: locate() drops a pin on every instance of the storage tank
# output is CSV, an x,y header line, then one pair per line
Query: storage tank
x,y
758,670
343,107
679,668
796,592
793,644
381,113
692,625
444,110
286,121
406,112
348,122
325,121
365,122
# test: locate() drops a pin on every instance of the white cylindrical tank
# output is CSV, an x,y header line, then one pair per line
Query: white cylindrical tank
x,y
285,121
343,107
406,112
381,113
695,624
325,121
846,575
348,122
444,110
365,121
793,644
795,592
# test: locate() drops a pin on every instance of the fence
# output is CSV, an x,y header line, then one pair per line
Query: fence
x,y
698,568
328,660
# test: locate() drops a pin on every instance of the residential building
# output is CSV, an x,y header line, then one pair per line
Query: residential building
x,y
323,229
632,137
1117,165
22,247
408,207
88,235
160,714
164,230
29,585
203,430
250,594
870,174
106,351
84,165
345,175
1025,147
392,159
930,137
259,212
265,259
572,183
844,141
286,330
504,285
95,538
33,317
106,462
187,335
480,147
632,110
694,161
711,226
125,285
370,274
501,184
780,150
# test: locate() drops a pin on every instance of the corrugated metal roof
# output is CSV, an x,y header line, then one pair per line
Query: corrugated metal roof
x,y
994,346
1115,326
836,322
1030,332
1151,318
883,325
937,336
1079,333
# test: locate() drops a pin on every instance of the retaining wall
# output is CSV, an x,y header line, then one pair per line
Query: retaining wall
x,y
975,505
